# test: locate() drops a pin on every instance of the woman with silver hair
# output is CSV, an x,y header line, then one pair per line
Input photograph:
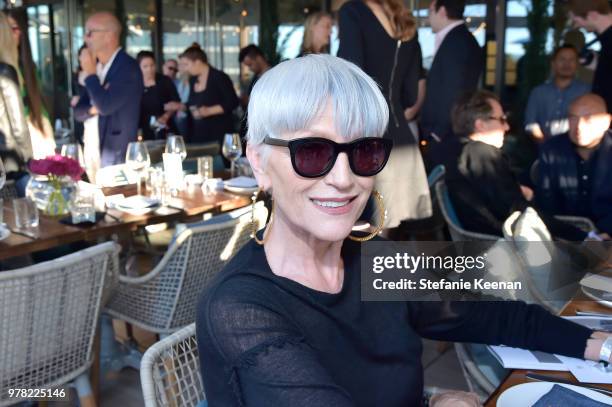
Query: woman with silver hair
x,y
283,324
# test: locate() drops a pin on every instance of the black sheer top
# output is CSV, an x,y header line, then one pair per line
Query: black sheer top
x,y
265,340
219,91
152,103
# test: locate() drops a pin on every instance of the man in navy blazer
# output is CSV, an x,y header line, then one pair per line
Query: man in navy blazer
x,y
456,68
113,88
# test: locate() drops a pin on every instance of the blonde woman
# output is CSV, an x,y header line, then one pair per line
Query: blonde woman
x,y
380,37
41,132
15,145
317,32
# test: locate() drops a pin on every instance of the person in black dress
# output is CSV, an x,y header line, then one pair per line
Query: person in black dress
x,y
284,324
159,90
380,37
212,99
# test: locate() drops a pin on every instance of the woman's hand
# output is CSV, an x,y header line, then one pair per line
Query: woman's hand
x,y
411,112
593,347
455,399
174,107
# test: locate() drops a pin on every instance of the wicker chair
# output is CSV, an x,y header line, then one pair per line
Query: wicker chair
x,y
48,318
9,191
458,234
170,371
164,300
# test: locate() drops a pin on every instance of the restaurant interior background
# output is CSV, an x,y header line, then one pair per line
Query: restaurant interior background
x,y
514,34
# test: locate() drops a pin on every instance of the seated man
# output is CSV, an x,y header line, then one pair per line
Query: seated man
x,y
575,169
483,189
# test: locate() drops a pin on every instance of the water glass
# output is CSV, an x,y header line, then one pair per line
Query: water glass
x,y
26,213
205,167
82,206
1,212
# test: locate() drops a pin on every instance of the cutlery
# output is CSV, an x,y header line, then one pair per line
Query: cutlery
x,y
592,314
544,378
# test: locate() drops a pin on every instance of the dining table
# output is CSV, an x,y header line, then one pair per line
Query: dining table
x,y
519,376
187,205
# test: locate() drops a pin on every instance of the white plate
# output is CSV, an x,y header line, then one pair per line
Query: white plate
x,y
4,233
242,182
241,190
137,202
241,185
598,296
526,394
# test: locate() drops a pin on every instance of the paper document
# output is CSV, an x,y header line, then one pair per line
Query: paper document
x,y
584,371
515,358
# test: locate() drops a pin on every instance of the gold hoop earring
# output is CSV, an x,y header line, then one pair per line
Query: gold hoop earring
x,y
381,219
254,225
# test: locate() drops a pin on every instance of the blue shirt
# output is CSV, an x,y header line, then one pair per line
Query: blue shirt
x,y
548,106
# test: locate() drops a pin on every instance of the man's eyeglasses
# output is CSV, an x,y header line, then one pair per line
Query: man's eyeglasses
x,y
503,119
171,68
314,157
91,32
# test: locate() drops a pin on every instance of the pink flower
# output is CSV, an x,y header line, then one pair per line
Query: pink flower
x,y
58,166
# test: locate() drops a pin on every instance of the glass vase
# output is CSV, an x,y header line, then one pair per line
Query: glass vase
x,y
51,194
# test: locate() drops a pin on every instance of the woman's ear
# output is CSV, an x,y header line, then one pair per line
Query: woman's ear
x,y
257,161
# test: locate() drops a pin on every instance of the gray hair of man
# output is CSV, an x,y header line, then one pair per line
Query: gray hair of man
x,y
293,94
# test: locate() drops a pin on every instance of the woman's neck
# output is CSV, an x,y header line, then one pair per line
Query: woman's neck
x,y
307,260
149,81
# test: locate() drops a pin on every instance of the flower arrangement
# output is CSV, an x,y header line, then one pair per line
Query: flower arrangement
x,y
57,168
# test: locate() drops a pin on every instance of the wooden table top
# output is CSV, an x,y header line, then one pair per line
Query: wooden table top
x,y
189,205
518,376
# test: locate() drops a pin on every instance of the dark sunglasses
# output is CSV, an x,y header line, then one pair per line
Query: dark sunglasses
x,y
314,157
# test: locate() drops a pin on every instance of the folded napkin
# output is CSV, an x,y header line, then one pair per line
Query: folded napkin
x,y
562,396
241,182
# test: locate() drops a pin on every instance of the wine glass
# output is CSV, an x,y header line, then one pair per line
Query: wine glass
x,y
2,175
232,149
73,150
62,128
138,160
176,144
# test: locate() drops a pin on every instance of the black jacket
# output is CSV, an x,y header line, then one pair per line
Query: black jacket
x,y
561,189
456,69
484,190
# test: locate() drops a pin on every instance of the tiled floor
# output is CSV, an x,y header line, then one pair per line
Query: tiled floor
x,y
441,371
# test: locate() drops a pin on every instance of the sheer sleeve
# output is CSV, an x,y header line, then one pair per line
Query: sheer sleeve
x,y
265,357
511,323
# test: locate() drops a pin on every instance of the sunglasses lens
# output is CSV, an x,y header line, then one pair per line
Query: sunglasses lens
x,y
369,157
313,158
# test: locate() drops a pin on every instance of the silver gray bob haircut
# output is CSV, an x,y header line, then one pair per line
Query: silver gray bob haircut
x,y
290,96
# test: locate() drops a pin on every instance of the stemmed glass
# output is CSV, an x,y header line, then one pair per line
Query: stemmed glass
x,y
2,175
232,149
62,129
176,144
138,160
73,150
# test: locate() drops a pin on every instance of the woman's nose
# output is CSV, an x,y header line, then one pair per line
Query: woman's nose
x,y
341,175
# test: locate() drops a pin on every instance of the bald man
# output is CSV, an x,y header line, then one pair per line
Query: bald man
x,y
575,169
113,89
